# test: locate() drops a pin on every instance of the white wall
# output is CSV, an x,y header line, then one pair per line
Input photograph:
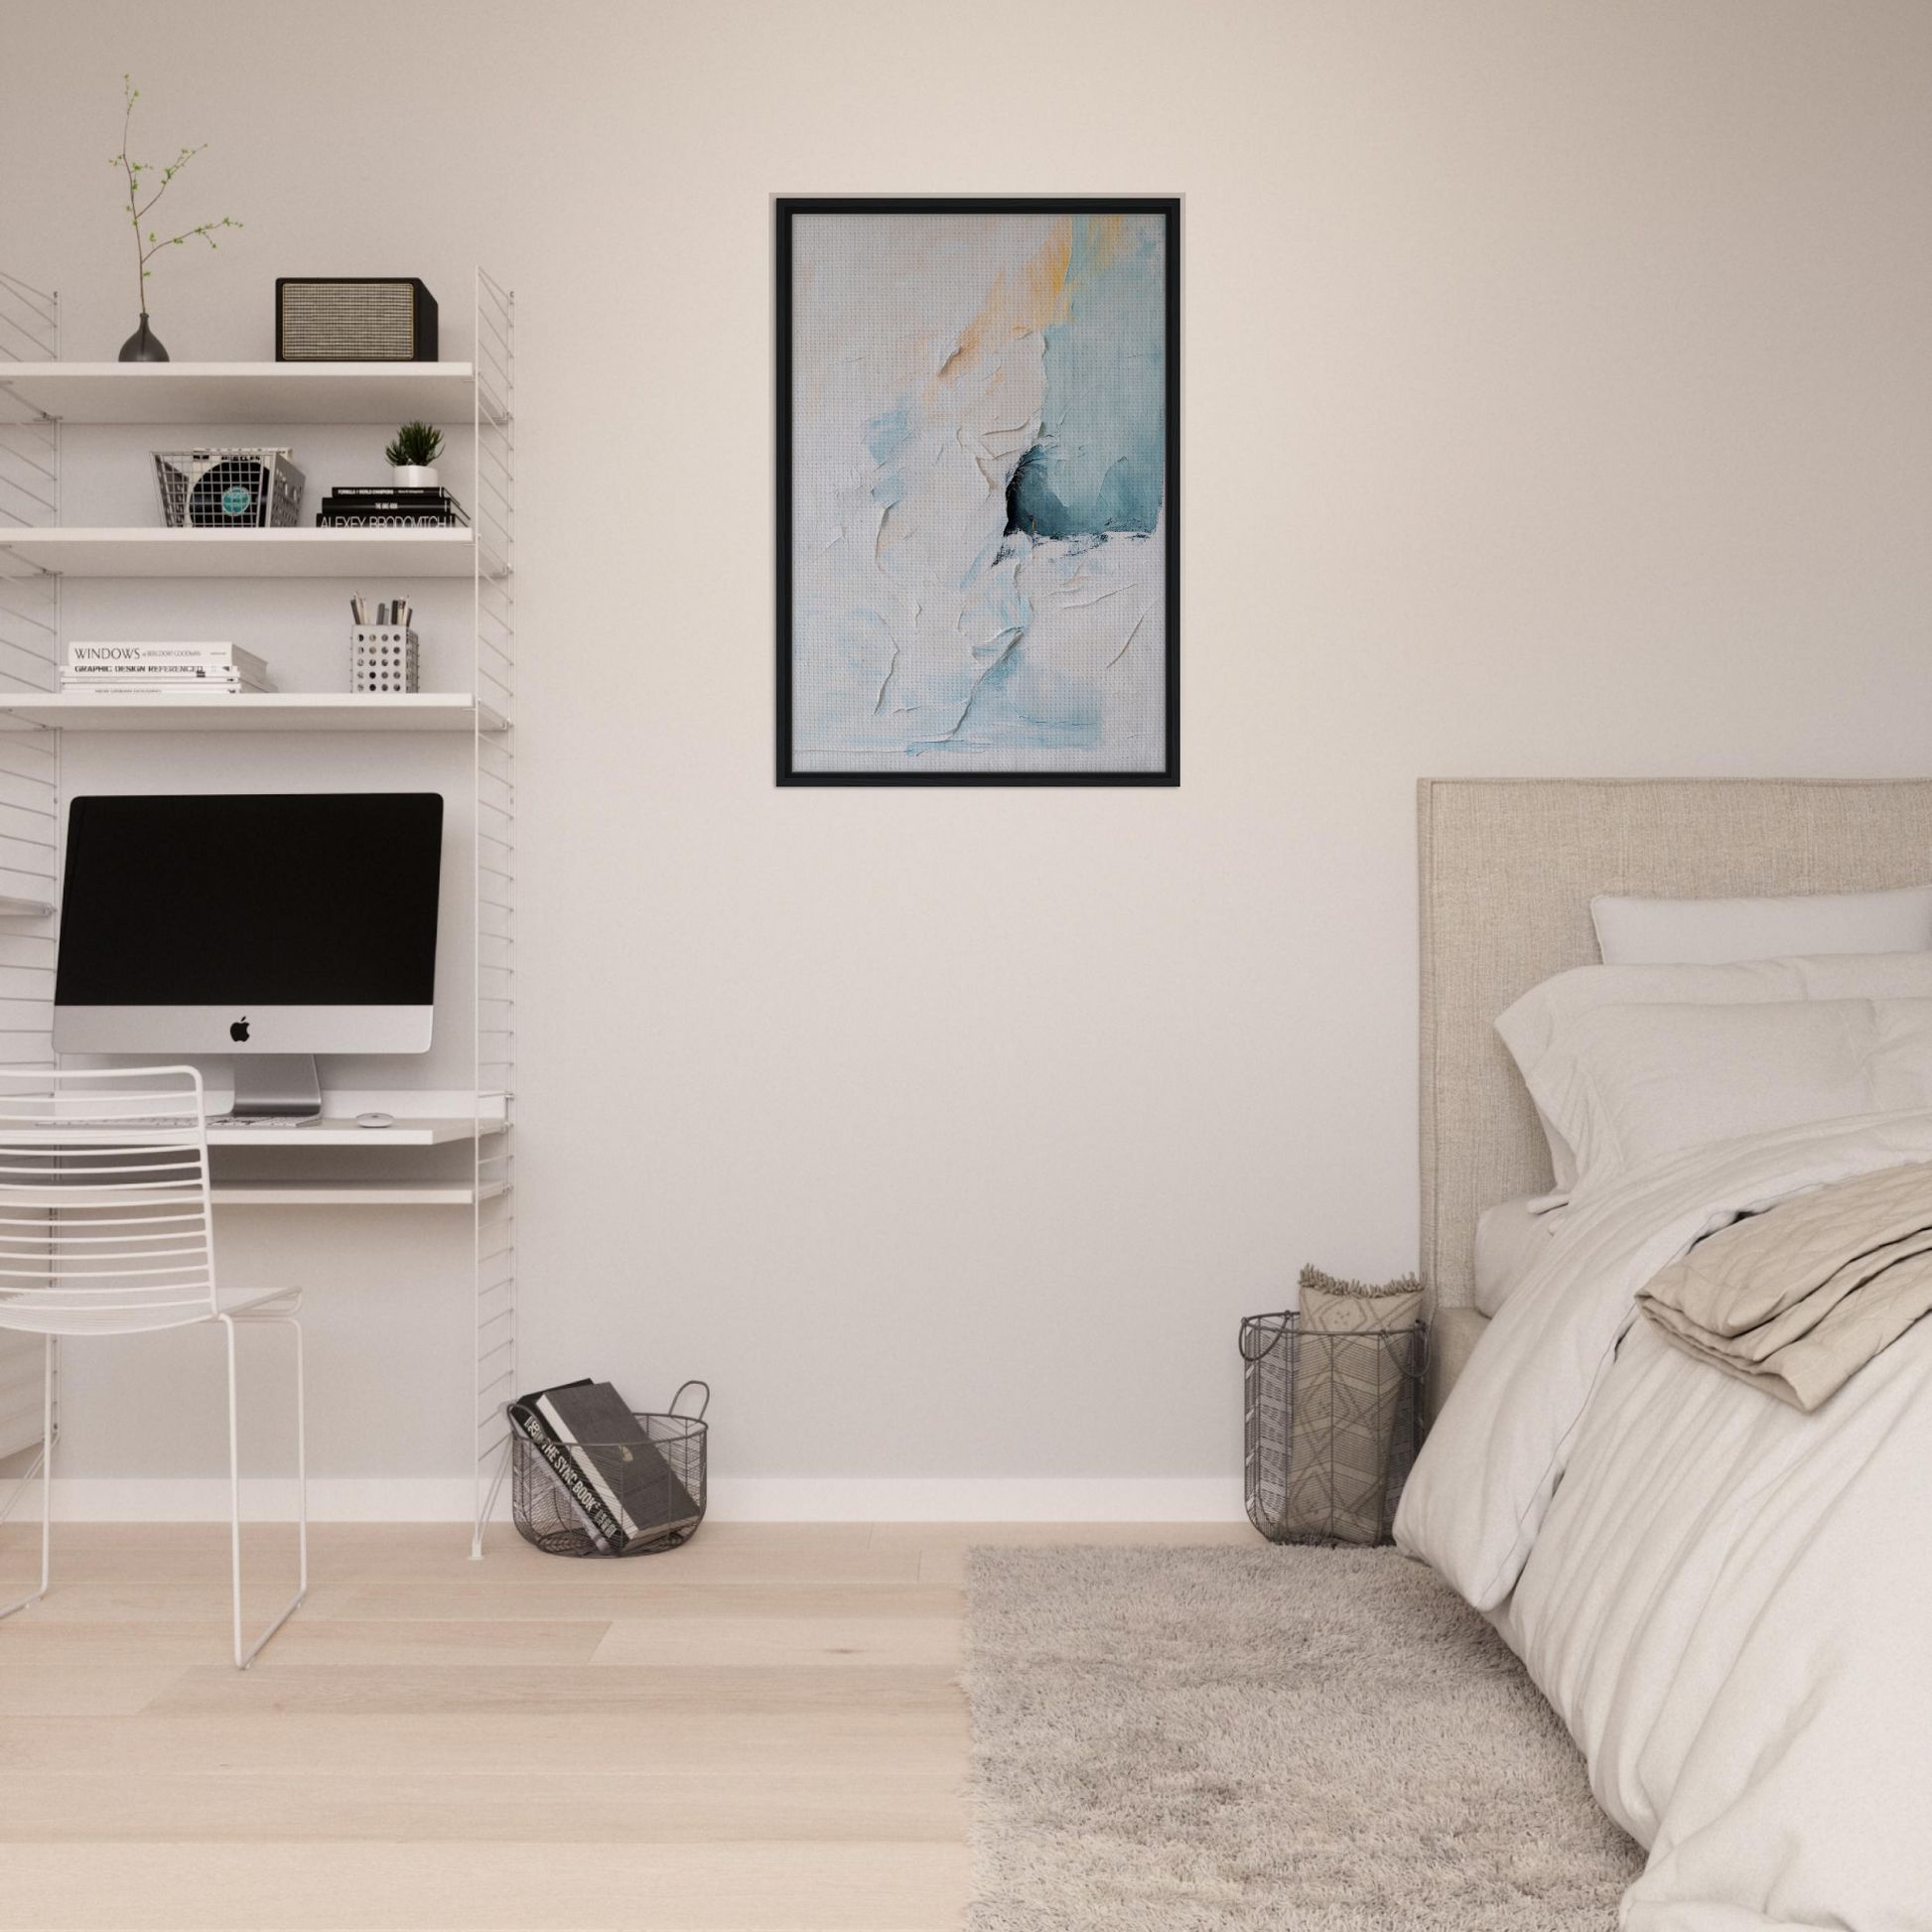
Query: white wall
x,y
1556,400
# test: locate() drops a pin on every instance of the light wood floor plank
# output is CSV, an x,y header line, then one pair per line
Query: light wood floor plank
x,y
304,1639
149,1553
664,1807
595,1599
468,1887
132,1601
90,1689
161,1745
189,1552
703,1562
761,1641
283,1690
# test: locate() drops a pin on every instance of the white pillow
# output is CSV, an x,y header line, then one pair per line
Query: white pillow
x,y
1714,931
1530,1027
1512,1238
1628,1083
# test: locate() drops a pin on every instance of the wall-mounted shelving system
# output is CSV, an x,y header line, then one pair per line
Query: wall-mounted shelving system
x,y
39,394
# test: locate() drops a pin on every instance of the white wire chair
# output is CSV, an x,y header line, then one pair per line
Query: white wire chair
x,y
106,1229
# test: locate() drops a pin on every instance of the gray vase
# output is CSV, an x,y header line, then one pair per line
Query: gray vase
x,y
144,345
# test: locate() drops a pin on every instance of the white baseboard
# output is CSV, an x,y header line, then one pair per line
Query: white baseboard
x,y
734,1499
977,1499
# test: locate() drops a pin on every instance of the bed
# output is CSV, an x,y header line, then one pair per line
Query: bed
x,y
1727,1602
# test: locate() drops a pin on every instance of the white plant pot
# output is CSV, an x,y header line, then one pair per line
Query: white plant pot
x,y
413,475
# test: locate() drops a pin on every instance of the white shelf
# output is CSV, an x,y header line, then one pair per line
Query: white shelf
x,y
348,1193
390,554
344,1133
260,711
383,393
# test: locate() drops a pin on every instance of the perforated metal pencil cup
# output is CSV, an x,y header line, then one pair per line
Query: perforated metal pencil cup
x,y
382,657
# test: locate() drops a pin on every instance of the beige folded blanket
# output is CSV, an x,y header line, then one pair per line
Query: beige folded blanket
x,y
1348,1386
1799,1299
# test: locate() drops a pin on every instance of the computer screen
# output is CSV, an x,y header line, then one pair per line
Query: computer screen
x,y
278,922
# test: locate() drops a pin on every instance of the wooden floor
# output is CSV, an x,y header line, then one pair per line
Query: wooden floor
x,y
759,1732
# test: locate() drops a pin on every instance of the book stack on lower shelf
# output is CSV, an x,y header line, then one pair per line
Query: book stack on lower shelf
x,y
381,508
604,1470
207,670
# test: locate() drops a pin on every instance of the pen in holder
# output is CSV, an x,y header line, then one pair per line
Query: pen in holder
x,y
382,657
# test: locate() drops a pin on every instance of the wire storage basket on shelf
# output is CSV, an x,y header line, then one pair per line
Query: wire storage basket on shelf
x,y
1333,1423
228,488
654,1491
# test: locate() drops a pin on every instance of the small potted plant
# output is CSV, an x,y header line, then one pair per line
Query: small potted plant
x,y
412,456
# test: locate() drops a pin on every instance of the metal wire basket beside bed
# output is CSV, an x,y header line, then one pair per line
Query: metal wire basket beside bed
x,y
1332,1425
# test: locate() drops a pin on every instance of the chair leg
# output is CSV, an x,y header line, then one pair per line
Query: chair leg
x,y
47,1482
242,1659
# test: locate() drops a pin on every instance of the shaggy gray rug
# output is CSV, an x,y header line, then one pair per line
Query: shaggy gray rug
x,y
1302,1740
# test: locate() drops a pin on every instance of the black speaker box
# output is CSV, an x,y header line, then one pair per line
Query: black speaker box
x,y
353,319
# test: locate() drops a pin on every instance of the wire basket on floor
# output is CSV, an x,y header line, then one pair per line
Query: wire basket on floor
x,y
1333,1424
662,1514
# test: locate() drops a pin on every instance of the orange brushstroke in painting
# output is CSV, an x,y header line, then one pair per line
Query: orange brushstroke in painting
x,y
1105,236
1035,297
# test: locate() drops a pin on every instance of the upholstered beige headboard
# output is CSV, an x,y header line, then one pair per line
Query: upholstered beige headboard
x,y
1507,870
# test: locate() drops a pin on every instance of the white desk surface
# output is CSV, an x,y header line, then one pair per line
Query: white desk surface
x,y
332,1132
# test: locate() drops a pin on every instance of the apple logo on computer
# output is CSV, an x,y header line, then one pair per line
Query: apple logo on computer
x,y
240,1030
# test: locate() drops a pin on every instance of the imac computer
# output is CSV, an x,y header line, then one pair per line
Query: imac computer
x,y
266,927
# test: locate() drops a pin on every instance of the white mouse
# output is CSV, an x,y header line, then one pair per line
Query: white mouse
x,y
375,1120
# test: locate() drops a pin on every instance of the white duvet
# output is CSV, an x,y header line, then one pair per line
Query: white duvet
x,y
1728,1601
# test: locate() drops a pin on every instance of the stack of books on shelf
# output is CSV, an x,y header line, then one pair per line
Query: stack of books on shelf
x,y
381,506
122,669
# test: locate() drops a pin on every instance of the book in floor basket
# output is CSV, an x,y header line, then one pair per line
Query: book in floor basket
x,y
616,1478
600,1525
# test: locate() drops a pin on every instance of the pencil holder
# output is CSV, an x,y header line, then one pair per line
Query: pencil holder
x,y
382,658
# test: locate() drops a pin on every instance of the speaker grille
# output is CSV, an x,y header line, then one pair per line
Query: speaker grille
x,y
348,322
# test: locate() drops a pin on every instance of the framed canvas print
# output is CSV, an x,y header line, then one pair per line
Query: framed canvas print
x,y
979,536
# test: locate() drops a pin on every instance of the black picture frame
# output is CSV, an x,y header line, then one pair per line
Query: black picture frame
x,y
1167,207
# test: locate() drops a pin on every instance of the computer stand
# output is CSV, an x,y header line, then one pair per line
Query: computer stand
x,y
276,1087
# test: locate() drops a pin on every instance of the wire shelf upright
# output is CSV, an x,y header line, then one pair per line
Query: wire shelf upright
x,y
29,774
493,502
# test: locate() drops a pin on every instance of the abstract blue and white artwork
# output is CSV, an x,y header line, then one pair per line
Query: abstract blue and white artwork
x,y
977,523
